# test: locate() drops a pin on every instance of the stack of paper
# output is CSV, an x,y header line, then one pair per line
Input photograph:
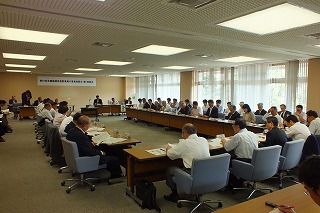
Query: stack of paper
x,y
158,151
215,143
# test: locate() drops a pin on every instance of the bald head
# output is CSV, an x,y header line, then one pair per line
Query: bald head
x,y
189,128
83,122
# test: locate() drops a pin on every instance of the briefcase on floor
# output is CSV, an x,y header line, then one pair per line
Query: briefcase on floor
x,y
146,192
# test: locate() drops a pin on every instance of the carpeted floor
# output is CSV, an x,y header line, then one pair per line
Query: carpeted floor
x,y
30,184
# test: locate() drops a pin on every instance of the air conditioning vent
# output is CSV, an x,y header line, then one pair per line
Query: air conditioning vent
x,y
102,44
313,36
193,4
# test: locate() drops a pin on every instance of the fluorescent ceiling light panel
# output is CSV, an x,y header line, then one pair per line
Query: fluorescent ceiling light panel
x,y
23,56
160,50
73,73
24,71
88,69
317,45
177,67
115,63
239,59
14,34
141,72
119,75
274,19
20,65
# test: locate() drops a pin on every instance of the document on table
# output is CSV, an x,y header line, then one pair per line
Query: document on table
x,y
275,211
97,129
215,143
157,151
5,111
104,138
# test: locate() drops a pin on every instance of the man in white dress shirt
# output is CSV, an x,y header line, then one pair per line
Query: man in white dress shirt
x,y
219,106
62,113
45,113
188,148
314,122
273,111
302,116
240,110
296,129
196,110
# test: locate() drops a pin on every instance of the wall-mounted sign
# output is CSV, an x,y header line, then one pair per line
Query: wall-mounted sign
x,y
66,81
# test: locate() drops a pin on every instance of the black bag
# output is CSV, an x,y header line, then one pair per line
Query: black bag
x,y
146,192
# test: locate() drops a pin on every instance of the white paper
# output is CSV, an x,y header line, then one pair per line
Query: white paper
x,y
5,111
97,129
275,211
215,143
158,151
112,140
100,138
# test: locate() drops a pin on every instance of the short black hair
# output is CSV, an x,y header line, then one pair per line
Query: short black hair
x,y
246,106
63,109
204,101
63,103
174,99
210,101
139,99
218,101
299,106
309,172
229,102
272,119
77,116
274,108
241,123
233,106
189,128
312,113
283,105
168,99
292,118
187,100
195,103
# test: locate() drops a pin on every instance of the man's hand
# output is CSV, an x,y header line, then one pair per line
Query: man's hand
x,y
167,148
223,141
286,208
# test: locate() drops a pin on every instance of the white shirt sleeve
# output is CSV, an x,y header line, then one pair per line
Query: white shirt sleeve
x,y
175,152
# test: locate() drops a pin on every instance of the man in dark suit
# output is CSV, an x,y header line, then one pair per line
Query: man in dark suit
x,y
284,113
128,101
87,148
275,136
233,114
149,105
97,101
260,110
212,111
26,97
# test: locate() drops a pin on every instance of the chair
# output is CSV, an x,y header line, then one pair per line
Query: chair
x,y
290,157
16,109
264,165
259,119
207,175
55,149
311,147
80,165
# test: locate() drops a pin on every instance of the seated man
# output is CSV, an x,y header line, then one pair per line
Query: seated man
x,y
314,122
140,104
219,106
37,102
302,116
114,102
174,103
196,110
205,106
273,112
86,147
165,107
309,176
183,108
45,113
242,143
149,105
296,130
233,114
128,101
187,102
260,110
227,111
284,113
5,124
212,111
275,136
62,113
72,124
191,147
97,101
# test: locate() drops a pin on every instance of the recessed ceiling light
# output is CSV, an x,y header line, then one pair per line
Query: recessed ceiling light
x,y
177,67
317,45
160,50
23,56
73,73
141,72
115,63
274,19
239,59
24,71
88,69
20,65
119,75
14,34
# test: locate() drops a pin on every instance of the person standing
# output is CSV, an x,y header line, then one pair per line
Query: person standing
x,y
26,97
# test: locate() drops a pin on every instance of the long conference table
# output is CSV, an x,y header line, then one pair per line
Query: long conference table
x,y
205,126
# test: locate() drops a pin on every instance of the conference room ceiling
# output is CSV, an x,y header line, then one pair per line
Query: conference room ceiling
x,y
126,25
